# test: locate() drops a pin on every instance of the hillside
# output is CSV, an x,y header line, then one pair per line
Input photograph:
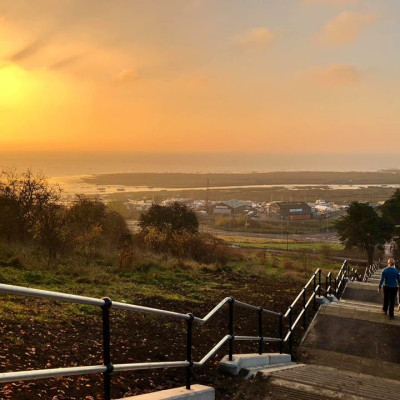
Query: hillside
x,y
44,334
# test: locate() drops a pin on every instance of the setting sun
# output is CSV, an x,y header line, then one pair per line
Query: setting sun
x,y
14,85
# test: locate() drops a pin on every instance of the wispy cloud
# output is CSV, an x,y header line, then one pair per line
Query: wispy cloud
x,y
346,27
336,75
29,50
66,62
332,2
255,39
127,76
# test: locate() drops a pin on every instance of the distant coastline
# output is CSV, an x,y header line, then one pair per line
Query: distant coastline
x,y
190,180
57,164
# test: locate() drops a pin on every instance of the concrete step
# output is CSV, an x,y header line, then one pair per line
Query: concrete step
x,y
358,305
248,373
196,392
355,303
277,391
352,332
362,292
360,285
374,281
349,362
329,383
247,364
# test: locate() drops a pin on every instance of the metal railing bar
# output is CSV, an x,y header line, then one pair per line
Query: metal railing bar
x,y
242,338
309,282
287,312
271,339
55,372
50,373
212,312
310,299
297,298
148,310
150,365
328,290
22,291
287,336
255,338
245,305
298,319
213,350
271,312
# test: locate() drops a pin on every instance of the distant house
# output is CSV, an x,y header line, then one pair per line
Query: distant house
x,y
230,207
139,205
290,210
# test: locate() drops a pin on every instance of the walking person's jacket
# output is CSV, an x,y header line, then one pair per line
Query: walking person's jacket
x,y
390,277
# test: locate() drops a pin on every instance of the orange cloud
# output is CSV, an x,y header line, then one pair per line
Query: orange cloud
x,y
336,75
332,2
346,27
127,76
256,38
195,81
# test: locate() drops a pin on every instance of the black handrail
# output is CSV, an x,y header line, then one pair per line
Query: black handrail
x,y
369,271
106,304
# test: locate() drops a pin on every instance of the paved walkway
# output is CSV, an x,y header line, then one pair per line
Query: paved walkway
x,y
351,351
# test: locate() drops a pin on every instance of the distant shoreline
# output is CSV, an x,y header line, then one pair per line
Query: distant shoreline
x,y
69,164
192,180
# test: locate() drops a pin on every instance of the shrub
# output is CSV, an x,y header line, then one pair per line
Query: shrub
x,y
203,248
325,250
228,221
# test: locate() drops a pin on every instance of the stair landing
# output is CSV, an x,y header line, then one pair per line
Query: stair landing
x,y
350,351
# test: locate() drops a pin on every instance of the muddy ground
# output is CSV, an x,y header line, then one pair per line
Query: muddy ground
x,y
50,341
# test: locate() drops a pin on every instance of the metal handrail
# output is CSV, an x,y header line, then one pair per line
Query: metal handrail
x,y
106,304
340,277
213,350
370,270
50,373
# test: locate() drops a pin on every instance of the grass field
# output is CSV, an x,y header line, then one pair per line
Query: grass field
x,y
40,333
279,244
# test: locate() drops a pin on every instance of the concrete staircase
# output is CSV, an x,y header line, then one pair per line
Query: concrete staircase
x,y
350,351
316,382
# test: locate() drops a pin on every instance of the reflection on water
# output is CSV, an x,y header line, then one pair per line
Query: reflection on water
x,y
89,163
67,169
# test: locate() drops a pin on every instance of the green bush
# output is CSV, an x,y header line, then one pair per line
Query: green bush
x,y
203,248
228,221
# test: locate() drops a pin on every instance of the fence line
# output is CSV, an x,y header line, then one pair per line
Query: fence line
x,y
106,304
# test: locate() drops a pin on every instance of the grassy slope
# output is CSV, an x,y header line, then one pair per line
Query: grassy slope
x,y
42,334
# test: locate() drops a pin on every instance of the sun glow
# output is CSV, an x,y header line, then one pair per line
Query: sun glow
x,y
14,85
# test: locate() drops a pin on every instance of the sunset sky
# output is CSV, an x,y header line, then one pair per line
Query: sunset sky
x,y
200,75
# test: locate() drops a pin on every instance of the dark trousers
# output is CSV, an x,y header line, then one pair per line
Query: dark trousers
x,y
389,296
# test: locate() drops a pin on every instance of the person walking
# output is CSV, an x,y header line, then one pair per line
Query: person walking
x,y
390,281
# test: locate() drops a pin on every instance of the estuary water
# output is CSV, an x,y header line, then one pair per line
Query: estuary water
x,y
87,163
67,168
